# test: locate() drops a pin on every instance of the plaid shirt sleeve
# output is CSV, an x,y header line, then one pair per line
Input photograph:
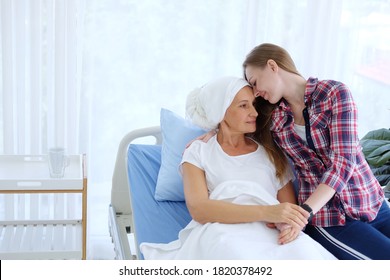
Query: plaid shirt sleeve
x,y
343,138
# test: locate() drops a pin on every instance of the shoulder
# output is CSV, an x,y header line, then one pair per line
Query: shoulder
x,y
332,89
198,153
198,146
259,148
334,93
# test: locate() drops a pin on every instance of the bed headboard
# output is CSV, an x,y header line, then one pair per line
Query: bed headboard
x,y
120,196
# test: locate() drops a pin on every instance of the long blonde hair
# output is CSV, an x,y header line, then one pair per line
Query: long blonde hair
x,y
259,57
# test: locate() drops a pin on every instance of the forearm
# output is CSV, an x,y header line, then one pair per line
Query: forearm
x,y
225,212
230,213
320,197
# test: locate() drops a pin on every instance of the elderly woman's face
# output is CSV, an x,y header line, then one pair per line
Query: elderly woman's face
x,y
241,114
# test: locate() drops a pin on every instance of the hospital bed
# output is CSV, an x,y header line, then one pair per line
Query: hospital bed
x,y
135,216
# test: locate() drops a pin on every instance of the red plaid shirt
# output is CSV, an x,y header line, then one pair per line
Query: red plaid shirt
x,y
338,160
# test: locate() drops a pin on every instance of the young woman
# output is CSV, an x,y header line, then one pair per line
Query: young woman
x,y
315,123
232,189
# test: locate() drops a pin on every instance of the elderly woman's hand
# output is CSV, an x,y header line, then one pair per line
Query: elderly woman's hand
x,y
287,233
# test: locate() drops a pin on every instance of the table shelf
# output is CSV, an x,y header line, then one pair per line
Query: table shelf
x,y
42,217
35,240
27,172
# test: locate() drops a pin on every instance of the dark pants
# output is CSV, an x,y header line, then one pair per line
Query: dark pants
x,y
357,239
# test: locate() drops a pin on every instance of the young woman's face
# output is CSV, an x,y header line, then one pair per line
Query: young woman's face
x,y
265,82
241,114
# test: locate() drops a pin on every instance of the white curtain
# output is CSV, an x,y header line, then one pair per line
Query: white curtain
x,y
81,74
41,75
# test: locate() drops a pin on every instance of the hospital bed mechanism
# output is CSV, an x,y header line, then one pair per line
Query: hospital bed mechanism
x,y
120,218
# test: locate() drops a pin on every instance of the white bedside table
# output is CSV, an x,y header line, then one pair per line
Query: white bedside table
x,y
42,217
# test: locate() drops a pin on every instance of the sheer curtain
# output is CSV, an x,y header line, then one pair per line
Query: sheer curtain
x,y
81,74
41,75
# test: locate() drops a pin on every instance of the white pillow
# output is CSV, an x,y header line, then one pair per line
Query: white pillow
x,y
176,132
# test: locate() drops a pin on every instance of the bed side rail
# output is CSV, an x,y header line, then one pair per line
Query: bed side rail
x,y
120,196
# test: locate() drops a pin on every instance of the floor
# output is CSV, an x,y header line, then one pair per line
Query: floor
x,y
99,245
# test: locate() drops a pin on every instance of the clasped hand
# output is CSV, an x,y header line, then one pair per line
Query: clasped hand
x,y
290,219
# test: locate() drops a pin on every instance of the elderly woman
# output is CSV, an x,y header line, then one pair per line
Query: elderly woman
x,y
242,208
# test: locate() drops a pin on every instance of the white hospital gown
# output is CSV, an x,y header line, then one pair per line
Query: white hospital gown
x,y
246,179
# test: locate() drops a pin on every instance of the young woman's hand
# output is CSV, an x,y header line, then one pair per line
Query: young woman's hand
x,y
204,137
288,213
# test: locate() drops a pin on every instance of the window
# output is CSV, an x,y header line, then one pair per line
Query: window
x,y
124,60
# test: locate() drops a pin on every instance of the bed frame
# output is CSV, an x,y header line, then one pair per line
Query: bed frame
x,y
120,218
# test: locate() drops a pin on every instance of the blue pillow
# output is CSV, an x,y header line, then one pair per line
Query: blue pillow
x,y
176,132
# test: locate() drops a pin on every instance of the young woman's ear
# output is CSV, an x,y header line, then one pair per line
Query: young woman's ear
x,y
272,65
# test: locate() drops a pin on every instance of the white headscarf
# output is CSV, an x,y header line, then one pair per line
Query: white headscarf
x,y
206,106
